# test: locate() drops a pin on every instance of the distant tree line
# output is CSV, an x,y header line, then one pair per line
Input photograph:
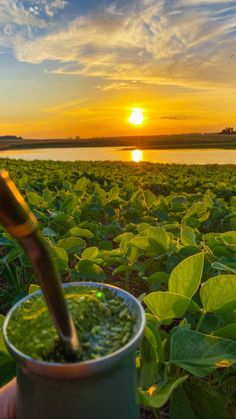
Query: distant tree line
x,y
228,130
10,137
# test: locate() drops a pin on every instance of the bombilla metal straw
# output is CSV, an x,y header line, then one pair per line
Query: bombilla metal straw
x,y
20,222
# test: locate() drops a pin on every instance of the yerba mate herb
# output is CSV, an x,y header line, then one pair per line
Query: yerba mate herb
x,y
103,321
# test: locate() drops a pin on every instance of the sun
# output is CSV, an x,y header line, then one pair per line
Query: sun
x,y
136,116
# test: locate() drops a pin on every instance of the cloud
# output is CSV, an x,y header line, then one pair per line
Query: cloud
x,y
118,85
175,117
22,20
65,105
185,43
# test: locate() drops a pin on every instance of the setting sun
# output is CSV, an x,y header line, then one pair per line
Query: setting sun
x,y
136,116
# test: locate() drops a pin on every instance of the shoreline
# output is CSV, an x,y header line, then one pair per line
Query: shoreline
x,y
178,142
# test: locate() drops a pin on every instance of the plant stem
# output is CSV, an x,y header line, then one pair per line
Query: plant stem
x,y
199,323
156,413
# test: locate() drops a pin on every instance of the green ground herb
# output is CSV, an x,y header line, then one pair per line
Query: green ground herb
x,y
102,319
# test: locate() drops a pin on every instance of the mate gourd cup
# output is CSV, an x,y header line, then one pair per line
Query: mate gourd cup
x,y
104,388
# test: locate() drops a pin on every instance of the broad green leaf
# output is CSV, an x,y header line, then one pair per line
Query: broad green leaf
x,y
81,232
90,270
205,401
163,277
148,370
188,237
47,195
61,217
228,386
33,288
142,227
34,199
124,245
49,232
90,253
113,193
218,291
127,236
154,340
228,331
166,305
160,238
149,198
2,343
12,254
61,258
178,203
211,239
7,368
160,396
72,244
2,319
221,267
186,276
81,184
228,239
140,242
132,254
200,354
180,407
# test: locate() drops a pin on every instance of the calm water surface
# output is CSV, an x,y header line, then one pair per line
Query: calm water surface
x,y
199,156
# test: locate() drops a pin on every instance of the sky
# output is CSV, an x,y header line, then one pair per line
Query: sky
x,y
78,67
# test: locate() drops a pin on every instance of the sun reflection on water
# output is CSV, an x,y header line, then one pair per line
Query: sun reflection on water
x,y
136,155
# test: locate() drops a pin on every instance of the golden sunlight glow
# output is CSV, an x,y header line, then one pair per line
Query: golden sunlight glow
x,y
136,116
137,155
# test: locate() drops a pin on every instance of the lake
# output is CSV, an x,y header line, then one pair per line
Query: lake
x,y
185,156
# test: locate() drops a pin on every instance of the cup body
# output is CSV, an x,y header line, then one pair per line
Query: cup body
x,y
104,388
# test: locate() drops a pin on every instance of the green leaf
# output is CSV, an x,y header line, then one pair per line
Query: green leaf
x,y
90,270
154,340
81,184
33,288
205,402
211,239
228,239
149,198
186,276
188,237
34,199
61,258
221,267
140,242
49,232
180,407
142,227
127,236
166,305
228,331
159,239
72,244
200,354
113,193
90,253
2,319
163,277
47,195
218,291
228,386
81,232
161,396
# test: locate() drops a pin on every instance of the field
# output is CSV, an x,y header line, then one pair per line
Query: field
x,y
167,234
